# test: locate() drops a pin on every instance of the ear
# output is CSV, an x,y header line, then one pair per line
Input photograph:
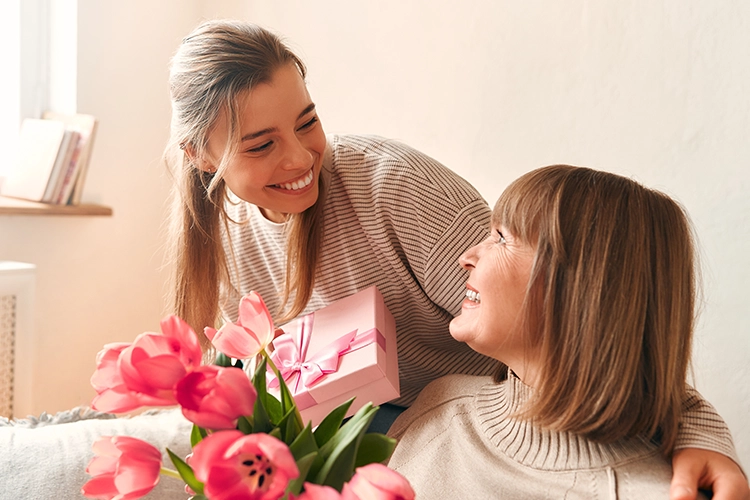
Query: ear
x,y
192,156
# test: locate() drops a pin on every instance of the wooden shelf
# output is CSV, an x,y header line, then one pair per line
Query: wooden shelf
x,y
13,206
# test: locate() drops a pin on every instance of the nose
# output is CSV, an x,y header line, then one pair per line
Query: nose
x,y
296,156
469,258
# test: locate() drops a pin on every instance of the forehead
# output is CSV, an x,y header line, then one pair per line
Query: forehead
x,y
284,94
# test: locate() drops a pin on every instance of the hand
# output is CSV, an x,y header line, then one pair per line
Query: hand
x,y
693,468
276,333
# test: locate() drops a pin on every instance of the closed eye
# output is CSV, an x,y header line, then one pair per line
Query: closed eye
x,y
260,148
308,124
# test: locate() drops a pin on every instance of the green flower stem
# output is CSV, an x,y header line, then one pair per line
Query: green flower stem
x,y
270,363
297,414
171,473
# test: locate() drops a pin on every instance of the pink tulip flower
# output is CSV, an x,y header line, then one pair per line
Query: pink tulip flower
x,y
377,482
112,394
252,333
146,371
106,366
233,465
318,492
124,468
214,398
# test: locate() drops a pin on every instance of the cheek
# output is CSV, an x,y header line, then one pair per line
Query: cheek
x,y
245,175
316,141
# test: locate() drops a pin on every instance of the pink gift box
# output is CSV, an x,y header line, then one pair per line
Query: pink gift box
x,y
367,369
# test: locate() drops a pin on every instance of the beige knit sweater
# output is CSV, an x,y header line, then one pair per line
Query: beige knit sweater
x,y
457,441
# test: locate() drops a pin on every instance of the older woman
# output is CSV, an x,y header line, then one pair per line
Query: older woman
x,y
584,292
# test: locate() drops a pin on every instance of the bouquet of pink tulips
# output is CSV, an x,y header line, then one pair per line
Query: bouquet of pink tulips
x,y
246,443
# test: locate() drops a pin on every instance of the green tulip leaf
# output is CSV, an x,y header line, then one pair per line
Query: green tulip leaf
x,y
186,473
269,404
304,443
197,435
340,452
303,464
275,432
288,403
354,426
245,426
331,423
223,360
374,448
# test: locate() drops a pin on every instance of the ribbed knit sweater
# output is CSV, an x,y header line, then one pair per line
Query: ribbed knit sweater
x,y
397,219
459,441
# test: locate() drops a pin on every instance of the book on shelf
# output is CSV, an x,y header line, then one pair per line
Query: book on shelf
x,y
86,126
53,156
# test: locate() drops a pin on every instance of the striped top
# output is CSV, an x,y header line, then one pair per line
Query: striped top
x,y
397,219
394,218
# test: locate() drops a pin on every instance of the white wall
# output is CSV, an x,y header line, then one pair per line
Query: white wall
x,y
656,89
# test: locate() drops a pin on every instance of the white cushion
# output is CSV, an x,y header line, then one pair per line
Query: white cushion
x,y
46,457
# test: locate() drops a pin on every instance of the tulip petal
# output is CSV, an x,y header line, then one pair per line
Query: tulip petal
x,y
318,492
376,481
137,476
160,372
190,347
236,341
100,487
254,316
114,401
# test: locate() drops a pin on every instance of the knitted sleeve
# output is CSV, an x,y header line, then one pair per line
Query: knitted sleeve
x,y
702,427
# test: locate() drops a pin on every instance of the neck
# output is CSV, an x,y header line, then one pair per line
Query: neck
x,y
277,217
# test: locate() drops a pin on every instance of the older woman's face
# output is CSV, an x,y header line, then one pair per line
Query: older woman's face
x,y
500,269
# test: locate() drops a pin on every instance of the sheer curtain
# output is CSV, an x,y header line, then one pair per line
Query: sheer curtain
x,y
10,112
24,55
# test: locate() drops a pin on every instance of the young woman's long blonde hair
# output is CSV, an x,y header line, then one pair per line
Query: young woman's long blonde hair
x,y
611,300
219,62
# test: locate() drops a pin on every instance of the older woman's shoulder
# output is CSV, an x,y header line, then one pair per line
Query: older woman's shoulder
x,y
442,395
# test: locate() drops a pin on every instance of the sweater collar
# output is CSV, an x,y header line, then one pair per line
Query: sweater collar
x,y
539,448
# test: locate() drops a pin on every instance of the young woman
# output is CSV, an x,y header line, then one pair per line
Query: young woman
x,y
592,324
266,201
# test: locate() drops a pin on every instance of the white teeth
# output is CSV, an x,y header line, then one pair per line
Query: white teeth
x,y
299,184
473,296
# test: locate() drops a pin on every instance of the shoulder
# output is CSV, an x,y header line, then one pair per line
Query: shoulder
x,y
442,396
373,150
392,169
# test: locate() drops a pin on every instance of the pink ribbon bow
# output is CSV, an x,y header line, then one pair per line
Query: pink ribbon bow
x,y
290,354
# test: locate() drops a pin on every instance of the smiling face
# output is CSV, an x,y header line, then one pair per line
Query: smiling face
x,y
280,153
489,322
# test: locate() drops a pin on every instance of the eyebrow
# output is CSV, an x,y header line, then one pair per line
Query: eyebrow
x,y
253,135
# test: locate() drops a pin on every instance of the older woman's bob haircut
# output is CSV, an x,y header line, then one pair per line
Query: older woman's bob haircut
x,y
611,299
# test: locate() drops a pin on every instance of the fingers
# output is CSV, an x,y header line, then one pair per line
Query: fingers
x,y
688,471
695,468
